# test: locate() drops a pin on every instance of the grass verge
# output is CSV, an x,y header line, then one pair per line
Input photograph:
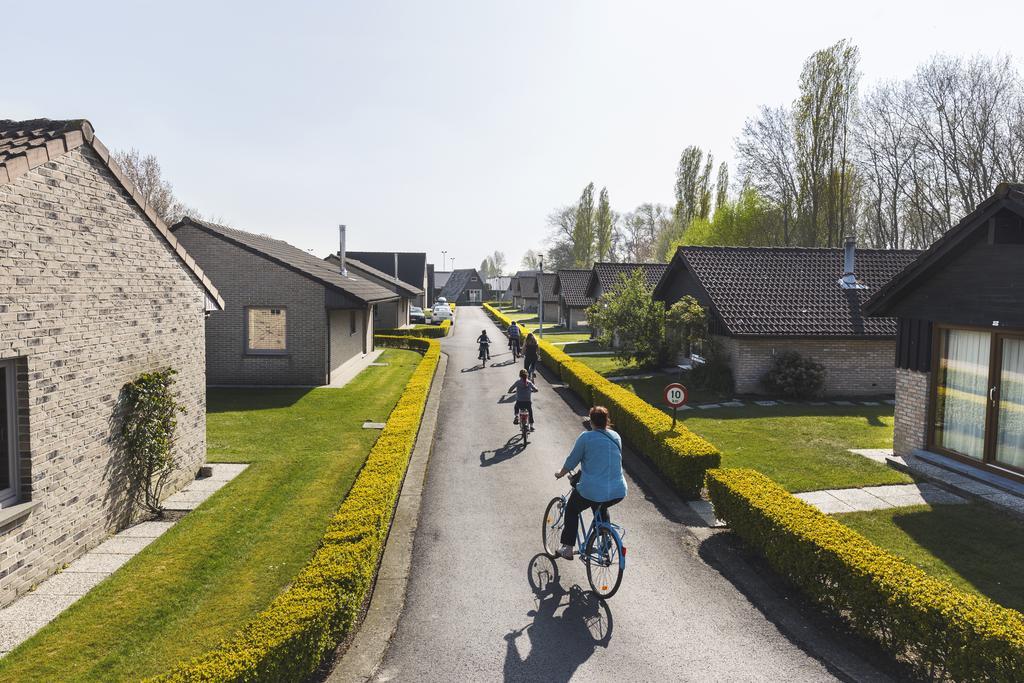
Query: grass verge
x,y
975,547
223,563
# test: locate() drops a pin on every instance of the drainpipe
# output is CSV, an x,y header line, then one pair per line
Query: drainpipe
x,y
341,250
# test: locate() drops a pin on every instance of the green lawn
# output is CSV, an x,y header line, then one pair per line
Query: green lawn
x,y
974,546
609,365
803,448
224,562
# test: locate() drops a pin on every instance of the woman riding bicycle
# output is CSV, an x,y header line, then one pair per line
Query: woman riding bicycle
x,y
531,353
599,454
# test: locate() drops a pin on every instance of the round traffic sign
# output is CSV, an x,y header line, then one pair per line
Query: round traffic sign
x,y
676,395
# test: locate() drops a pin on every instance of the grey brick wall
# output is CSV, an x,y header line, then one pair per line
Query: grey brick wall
x,y
910,427
248,279
90,297
854,367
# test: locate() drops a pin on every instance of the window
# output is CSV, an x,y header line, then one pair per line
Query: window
x,y
266,330
8,434
962,391
352,326
474,296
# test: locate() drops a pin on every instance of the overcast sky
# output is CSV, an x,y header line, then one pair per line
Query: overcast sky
x,y
444,125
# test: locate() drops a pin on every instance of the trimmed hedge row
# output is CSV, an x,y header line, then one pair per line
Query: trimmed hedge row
x,y
939,630
434,332
287,641
680,455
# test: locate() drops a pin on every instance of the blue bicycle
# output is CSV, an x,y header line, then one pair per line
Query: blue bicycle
x,y
599,546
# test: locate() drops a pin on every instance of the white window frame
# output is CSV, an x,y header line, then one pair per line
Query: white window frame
x,y
9,495
479,295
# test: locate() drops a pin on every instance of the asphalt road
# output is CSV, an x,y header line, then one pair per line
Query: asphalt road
x,y
483,604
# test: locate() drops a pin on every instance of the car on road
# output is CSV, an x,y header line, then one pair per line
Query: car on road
x,y
416,315
441,312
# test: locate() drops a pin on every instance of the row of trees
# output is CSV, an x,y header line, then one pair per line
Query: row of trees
x,y
896,165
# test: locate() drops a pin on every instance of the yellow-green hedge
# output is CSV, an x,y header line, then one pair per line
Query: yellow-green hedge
x,y
433,332
680,455
943,632
287,641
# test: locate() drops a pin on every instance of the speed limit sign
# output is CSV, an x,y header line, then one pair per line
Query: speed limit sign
x,y
676,395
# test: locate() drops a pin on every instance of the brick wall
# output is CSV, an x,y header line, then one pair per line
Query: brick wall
x,y
245,279
911,421
854,367
90,297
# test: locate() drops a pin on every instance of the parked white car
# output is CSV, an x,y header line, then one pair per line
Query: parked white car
x,y
441,311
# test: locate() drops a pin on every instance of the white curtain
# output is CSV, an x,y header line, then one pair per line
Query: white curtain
x,y
963,392
1010,444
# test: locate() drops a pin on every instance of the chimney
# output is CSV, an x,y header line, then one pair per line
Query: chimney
x,y
849,278
341,250
396,265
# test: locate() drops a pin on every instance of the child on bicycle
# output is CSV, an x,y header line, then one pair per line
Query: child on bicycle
x,y
598,452
485,345
524,389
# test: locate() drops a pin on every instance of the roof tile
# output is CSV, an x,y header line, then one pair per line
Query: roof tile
x,y
572,287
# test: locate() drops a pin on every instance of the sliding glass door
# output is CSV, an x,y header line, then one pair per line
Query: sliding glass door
x,y
979,397
1009,427
961,397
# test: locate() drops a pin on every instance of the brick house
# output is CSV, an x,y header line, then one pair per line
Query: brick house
x,y
571,289
545,283
292,319
762,301
408,266
464,286
526,281
94,291
960,344
390,314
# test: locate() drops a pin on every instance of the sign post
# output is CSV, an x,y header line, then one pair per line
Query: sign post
x,y
676,396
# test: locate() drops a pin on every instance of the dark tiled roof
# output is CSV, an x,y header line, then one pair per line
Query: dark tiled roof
x,y
572,286
441,278
460,277
607,274
518,281
547,285
412,265
528,286
25,145
1011,194
792,292
393,283
298,260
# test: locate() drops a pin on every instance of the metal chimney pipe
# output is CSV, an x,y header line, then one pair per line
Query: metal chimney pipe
x,y
850,262
341,250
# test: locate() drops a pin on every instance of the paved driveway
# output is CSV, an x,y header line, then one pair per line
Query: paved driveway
x,y
472,612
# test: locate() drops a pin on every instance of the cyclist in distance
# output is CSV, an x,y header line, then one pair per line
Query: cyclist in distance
x,y
531,353
599,454
514,336
485,345
524,389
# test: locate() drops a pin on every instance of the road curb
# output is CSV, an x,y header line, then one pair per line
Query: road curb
x,y
368,646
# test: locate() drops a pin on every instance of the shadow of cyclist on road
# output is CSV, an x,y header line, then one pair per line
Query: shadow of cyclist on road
x,y
511,449
567,627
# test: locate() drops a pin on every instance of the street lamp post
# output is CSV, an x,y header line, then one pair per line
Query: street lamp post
x,y
540,299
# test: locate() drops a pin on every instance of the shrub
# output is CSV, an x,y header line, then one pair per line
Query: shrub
x,y
286,641
434,332
793,376
941,631
715,373
149,418
681,456
627,318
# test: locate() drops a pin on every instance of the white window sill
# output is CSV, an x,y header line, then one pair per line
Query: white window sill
x,y
17,512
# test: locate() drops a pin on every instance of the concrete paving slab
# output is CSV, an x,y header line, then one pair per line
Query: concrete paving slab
x,y
374,425
876,454
706,510
14,633
709,406
767,403
226,471
733,404
121,545
146,530
825,501
103,563
37,607
842,403
70,583
347,372
870,403
860,499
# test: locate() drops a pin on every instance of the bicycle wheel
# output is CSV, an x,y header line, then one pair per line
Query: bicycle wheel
x,y
604,562
525,428
554,520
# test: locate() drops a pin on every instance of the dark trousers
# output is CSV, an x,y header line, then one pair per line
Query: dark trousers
x,y
513,343
485,352
573,508
530,364
524,404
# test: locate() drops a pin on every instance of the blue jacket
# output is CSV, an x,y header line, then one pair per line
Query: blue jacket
x,y
600,453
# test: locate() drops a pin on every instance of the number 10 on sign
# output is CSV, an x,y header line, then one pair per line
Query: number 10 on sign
x,y
675,397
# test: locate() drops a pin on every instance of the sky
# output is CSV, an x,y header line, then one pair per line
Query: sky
x,y
445,125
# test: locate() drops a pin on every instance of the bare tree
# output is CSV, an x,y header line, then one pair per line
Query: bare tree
x,y
145,173
767,161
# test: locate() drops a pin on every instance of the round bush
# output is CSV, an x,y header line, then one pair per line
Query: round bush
x,y
793,376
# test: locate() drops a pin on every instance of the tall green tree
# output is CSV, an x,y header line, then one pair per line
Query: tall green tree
x,y
693,191
605,226
629,319
722,186
583,230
